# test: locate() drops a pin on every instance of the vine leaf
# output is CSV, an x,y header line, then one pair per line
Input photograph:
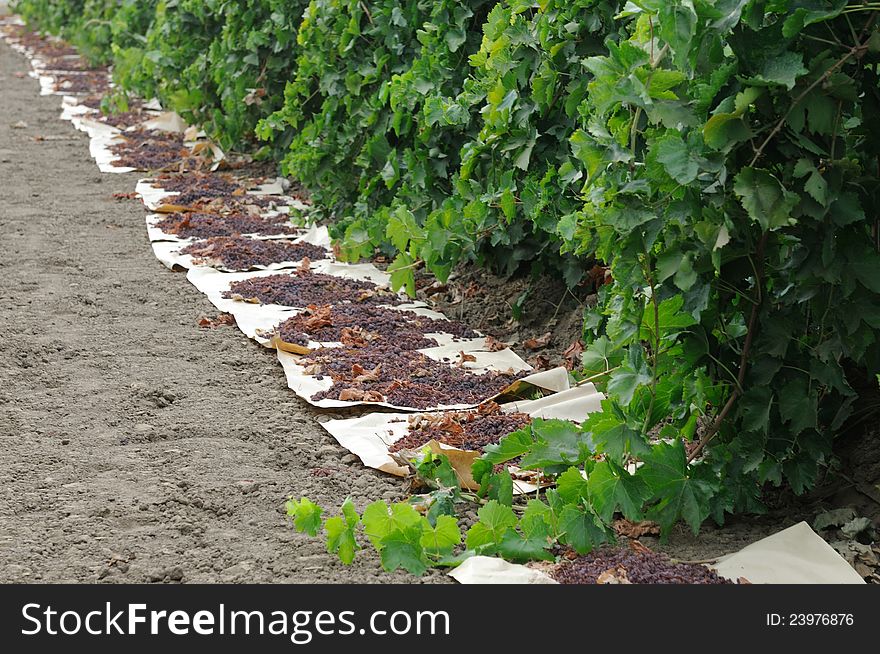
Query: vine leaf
x,y
495,519
581,530
340,532
666,476
306,515
612,488
511,446
380,520
764,198
632,374
783,69
402,548
558,442
442,538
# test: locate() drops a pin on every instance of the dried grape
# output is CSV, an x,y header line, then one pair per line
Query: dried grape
x,y
241,253
405,329
625,565
304,288
82,82
206,225
192,186
466,430
377,373
149,149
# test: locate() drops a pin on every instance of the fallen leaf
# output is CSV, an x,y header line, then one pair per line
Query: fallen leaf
x,y
637,546
631,529
494,345
613,576
834,518
223,319
351,395
465,358
305,267
572,354
318,317
353,337
539,362
489,408
362,375
537,343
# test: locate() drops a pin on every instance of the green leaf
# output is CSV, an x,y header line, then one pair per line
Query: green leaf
x,y
443,537
600,356
783,70
340,532
402,549
580,529
518,548
867,270
764,198
669,319
509,447
679,161
755,408
678,25
799,404
572,486
508,204
612,488
402,228
380,520
817,187
847,209
632,374
403,274
665,472
559,442
499,487
306,515
495,519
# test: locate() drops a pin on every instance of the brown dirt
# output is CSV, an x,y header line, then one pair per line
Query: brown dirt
x,y
486,302
134,446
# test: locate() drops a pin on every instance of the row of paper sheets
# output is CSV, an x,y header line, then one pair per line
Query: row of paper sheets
x,y
794,555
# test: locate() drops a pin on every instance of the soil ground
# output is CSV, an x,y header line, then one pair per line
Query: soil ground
x,y
137,447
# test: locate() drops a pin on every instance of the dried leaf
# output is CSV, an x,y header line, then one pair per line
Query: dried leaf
x,y
494,345
366,376
637,546
537,343
222,319
572,354
539,362
613,576
630,529
351,395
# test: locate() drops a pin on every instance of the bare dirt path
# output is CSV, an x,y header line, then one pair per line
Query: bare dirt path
x,y
135,446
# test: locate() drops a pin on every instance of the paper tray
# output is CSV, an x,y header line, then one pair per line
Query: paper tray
x,y
796,555
370,436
